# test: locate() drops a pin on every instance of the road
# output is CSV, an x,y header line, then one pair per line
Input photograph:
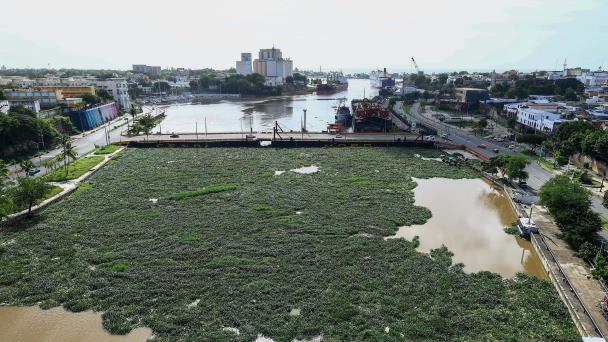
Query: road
x,y
83,143
537,174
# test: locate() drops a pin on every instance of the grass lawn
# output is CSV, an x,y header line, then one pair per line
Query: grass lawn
x,y
52,191
604,222
108,149
76,169
189,241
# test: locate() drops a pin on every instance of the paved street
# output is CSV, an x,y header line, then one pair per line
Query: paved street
x,y
83,143
537,174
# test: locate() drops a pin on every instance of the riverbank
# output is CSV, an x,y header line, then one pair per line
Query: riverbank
x,y
223,237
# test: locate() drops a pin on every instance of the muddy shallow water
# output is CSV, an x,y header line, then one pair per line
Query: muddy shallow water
x,y
32,324
468,218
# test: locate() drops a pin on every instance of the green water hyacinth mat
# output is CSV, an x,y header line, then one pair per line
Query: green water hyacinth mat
x,y
214,245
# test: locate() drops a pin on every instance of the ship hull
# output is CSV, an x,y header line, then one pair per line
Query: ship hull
x,y
334,88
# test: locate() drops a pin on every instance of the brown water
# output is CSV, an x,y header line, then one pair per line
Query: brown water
x,y
32,324
468,218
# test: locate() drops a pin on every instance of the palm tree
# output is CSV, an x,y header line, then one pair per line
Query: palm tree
x,y
27,166
68,152
133,111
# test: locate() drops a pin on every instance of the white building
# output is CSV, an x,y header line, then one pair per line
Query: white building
x,y
273,66
5,106
119,89
555,75
539,120
243,67
593,79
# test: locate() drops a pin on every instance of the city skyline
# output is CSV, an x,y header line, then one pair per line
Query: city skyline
x,y
526,35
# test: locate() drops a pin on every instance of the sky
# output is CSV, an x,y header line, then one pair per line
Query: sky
x,y
331,34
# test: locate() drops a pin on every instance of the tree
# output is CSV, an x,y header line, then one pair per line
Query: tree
x,y
133,111
147,123
570,204
300,78
570,95
532,139
515,167
588,251
2,96
500,163
161,87
605,201
5,204
67,152
104,94
26,166
489,166
289,79
28,191
483,123
90,99
5,199
3,173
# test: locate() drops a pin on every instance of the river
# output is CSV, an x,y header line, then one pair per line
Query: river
x,y
468,218
32,324
260,115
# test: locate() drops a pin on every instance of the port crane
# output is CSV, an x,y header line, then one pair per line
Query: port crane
x,y
416,67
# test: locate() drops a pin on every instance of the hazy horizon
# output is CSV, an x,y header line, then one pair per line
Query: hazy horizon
x,y
334,35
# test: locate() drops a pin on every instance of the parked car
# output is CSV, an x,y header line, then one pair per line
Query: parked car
x,y
511,147
495,150
481,146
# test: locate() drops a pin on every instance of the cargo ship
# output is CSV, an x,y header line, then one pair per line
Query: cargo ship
x,y
343,116
370,115
381,79
336,82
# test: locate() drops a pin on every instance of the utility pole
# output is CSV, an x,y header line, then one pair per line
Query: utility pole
x,y
304,122
205,126
196,129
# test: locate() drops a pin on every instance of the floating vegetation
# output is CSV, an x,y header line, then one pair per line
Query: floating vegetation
x,y
250,258
206,190
512,229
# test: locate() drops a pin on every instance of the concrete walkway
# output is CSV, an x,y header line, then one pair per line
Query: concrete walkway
x,y
571,275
